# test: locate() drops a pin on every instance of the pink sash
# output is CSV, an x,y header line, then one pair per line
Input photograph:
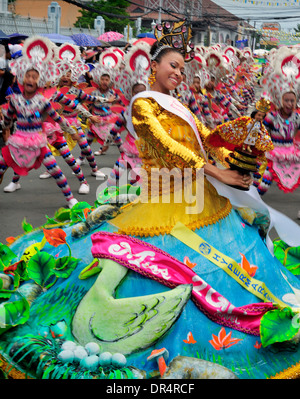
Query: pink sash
x,y
158,265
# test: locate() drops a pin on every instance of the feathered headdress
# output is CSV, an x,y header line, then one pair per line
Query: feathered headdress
x,y
215,65
37,53
69,59
283,76
109,63
137,69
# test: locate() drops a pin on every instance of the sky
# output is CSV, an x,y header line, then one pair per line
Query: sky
x,y
287,16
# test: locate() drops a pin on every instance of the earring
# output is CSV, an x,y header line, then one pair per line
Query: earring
x,y
152,79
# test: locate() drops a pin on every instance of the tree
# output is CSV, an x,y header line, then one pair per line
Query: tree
x,y
297,29
111,23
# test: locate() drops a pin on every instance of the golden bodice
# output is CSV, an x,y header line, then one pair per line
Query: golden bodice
x,y
168,143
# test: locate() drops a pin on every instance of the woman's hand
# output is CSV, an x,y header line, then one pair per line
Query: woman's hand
x,y
228,176
234,178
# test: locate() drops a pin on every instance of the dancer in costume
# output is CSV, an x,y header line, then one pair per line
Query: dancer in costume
x,y
221,108
202,101
243,299
102,76
57,142
27,147
73,67
283,123
130,81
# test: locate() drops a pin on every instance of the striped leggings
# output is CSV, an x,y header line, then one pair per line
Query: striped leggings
x,y
52,167
71,161
86,151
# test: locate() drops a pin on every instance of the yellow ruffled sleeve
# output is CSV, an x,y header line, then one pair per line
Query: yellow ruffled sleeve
x,y
145,119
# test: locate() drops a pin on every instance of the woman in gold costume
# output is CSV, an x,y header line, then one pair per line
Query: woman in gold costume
x,y
188,227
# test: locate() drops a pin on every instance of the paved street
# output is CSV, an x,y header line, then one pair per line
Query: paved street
x,y
38,198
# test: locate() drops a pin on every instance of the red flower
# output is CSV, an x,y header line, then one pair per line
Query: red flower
x,y
257,345
223,340
55,237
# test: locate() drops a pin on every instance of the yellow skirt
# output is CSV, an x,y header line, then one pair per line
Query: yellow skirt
x,y
160,214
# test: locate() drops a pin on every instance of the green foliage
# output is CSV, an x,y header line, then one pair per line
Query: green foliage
x,y
13,312
43,269
297,29
26,226
111,23
278,326
288,256
6,256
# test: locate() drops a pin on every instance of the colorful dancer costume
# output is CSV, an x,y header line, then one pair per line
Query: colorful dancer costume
x,y
131,80
69,61
196,290
109,62
284,160
27,147
221,108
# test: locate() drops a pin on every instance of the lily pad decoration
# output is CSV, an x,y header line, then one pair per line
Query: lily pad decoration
x,y
6,256
288,256
43,268
65,265
40,268
278,325
13,312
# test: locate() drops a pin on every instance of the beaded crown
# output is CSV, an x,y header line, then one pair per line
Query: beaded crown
x,y
176,35
263,105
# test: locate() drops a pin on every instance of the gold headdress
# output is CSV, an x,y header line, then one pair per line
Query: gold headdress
x,y
263,105
174,35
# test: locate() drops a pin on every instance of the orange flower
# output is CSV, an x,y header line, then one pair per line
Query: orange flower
x,y
223,340
10,240
250,269
190,339
55,237
257,345
188,263
86,211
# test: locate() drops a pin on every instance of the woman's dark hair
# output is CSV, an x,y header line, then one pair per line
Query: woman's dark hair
x,y
163,52
253,113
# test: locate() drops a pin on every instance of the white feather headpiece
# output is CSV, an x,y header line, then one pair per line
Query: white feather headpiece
x,y
137,69
69,59
283,76
38,53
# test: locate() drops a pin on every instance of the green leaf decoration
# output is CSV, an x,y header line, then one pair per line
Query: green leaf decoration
x,y
14,312
64,266
40,267
26,226
77,211
62,215
6,256
278,326
288,256
50,221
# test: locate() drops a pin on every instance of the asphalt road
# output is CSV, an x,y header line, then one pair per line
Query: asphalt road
x,y
38,197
